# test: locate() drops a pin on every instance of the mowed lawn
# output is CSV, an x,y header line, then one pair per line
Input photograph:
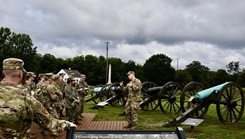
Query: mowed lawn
x,y
210,128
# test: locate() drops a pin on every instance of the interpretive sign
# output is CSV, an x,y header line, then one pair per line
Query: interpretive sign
x,y
192,122
124,134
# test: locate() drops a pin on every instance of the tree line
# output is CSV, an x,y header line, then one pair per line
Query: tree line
x,y
157,68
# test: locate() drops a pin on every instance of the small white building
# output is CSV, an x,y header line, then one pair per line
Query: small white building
x,y
76,74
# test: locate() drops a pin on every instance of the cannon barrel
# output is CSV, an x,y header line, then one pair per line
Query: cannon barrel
x,y
154,89
207,92
97,89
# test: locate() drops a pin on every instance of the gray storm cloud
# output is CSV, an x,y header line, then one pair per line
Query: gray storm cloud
x,y
179,29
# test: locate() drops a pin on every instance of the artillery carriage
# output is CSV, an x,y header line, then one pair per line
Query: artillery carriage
x,y
99,94
108,94
195,101
167,97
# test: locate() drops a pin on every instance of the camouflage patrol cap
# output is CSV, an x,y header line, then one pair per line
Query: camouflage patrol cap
x,y
31,74
13,64
83,76
61,74
48,75
130,72
41,75
55,77
70,79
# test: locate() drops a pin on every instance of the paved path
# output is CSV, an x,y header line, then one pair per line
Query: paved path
x,y
86,124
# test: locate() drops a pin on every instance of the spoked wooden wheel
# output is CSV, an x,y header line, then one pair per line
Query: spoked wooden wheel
x,y
145,86
100,94
230,105
169,99
153,104
120,99
189,91
96,94
105,93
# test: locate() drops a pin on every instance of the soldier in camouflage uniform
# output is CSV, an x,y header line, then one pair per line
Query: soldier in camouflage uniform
x,y
19,109
30,84
72,101
47,95
62,83
38,92
60,103
51,95
133,89
82,92
40,80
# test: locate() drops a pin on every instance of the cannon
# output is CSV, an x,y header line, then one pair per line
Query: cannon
x,y
167,97
99,94
118,98
111,94
195,100
150,93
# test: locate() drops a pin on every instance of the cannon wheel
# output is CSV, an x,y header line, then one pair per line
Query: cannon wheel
x,y
105,93
230,105
101,95
121,101
190,90
169,99
152,105
95,95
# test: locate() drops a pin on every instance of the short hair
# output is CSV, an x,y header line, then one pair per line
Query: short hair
x,y
83,76
131,72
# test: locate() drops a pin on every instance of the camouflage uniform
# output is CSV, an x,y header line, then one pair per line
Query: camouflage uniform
x,y
52,96
60,103
62,84
48,96
19,109
133,101
72,106
31,85
39,92
82,93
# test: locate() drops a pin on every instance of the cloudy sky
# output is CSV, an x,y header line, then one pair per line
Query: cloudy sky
x,y
209,31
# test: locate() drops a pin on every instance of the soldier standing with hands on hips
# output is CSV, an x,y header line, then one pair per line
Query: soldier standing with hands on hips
x,y
133,88
19,109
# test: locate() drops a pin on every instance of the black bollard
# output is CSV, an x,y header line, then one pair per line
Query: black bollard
x,y
69,133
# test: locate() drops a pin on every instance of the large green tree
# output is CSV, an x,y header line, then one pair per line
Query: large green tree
x,y
18,46
48,63
233,68
182,77
158,69
241,78
91,69
198,71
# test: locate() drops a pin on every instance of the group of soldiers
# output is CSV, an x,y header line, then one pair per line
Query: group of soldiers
x,y
19,107
52,103
63,100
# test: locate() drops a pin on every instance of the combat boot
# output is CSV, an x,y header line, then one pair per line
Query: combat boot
x,y
127,126
80,117
122,113
77,123
133,127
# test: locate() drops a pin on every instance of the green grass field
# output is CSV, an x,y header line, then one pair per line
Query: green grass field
x,y
210,128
